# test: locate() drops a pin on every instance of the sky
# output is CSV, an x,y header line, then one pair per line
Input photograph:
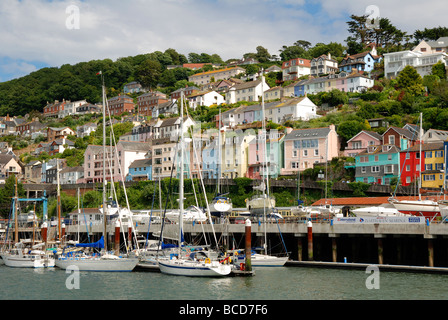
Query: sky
x,y
49,33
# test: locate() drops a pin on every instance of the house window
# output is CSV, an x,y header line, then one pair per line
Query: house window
x,y
391,139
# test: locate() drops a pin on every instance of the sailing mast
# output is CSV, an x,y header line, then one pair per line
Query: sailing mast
x,y
16,211
181,181
420,134
59,201
266,166
104,168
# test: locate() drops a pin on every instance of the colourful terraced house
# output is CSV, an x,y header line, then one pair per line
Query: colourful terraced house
x,y
378,164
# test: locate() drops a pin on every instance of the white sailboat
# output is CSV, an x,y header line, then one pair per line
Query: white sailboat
x,y
221,205
264,204
104,262
193,266
22,256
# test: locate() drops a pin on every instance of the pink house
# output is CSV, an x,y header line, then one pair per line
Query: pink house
x,y
305,147
361,141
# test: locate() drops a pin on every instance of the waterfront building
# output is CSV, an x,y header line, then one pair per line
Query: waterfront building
x,y
235,153
400,137
361,141
379,164
434,165
274,155
140,170
305,147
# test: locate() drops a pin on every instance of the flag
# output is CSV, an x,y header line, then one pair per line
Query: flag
x,y
99,73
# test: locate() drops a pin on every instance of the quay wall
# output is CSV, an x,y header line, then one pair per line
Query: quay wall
x,y
392,244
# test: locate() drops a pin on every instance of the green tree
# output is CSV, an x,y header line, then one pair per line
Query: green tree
x,y
410,81
439,70
148,73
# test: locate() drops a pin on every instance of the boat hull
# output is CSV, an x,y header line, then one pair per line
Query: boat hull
x,y
27,262
98,264
194,268
423,208
262,260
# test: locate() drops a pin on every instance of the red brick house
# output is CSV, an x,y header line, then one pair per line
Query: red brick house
x,y
121,104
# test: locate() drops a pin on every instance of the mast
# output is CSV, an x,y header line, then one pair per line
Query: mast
x,y
104,168
181,181
420,150
219,152
266,166
59,201
16,211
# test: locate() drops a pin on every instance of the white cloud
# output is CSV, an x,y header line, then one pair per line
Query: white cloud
x,y
35,30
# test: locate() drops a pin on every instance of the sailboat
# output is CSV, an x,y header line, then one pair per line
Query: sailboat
x,y
426,208
104,262
194,265
221,204
22,256
264,204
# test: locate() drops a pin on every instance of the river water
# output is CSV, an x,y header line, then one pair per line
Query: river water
x,y
286,283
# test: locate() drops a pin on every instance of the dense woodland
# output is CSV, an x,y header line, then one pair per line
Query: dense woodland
x,y
398,100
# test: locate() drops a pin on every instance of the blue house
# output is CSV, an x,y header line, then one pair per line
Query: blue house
x,y
210,163
140,170
364,61
378,164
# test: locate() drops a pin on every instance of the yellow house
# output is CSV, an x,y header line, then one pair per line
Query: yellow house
x,y
434,165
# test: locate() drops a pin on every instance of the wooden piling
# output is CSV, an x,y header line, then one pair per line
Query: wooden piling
x,y
117,237
310,240
248,246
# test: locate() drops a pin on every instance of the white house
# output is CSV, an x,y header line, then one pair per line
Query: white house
x,y
247,91
70,108
71,175
127,153
395,62
205,98
300,108
86,129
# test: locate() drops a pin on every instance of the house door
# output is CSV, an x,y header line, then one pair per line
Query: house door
x,y
378,181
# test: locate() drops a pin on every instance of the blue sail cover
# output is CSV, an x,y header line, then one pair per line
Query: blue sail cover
x,y
99,244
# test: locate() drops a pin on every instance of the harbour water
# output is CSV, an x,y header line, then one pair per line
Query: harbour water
x,y
285,283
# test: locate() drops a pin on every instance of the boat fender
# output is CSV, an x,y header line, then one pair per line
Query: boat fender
x,y
207,261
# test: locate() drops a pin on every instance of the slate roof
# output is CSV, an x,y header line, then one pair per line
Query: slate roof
x,y
313,133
